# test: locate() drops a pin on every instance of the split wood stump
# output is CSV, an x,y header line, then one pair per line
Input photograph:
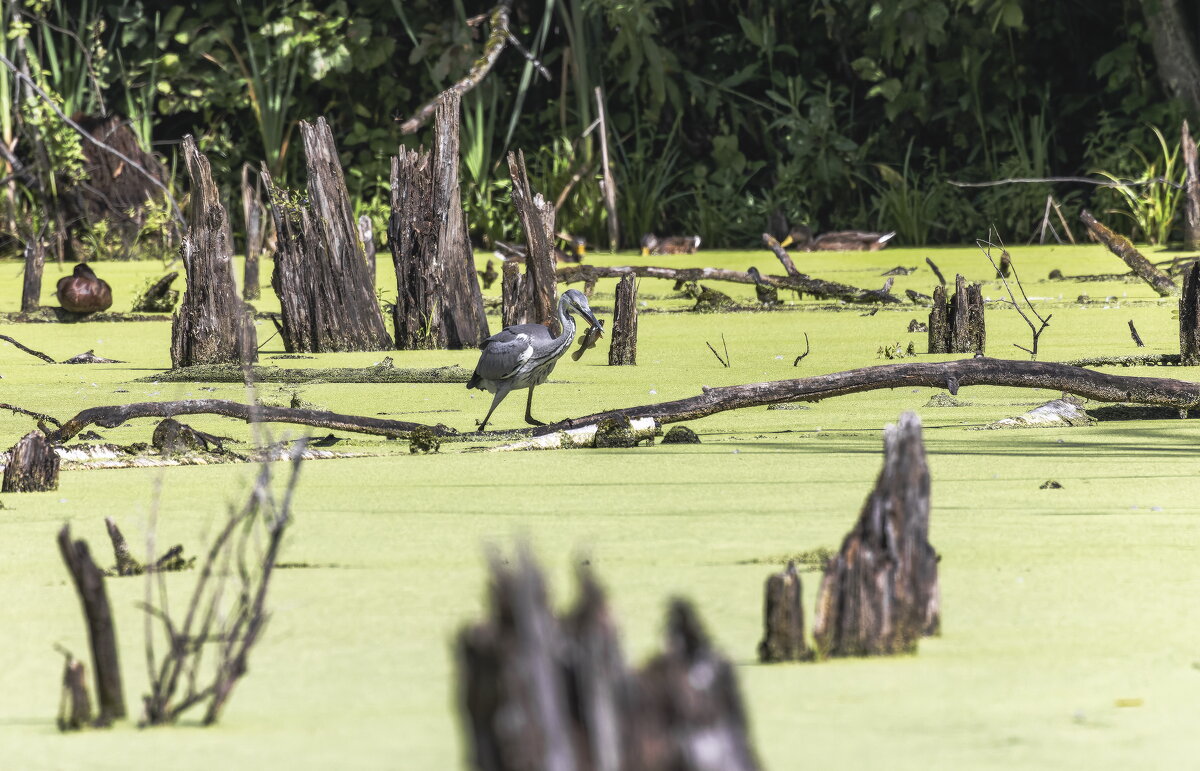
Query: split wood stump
x,y
957,326
252,217
325,291
31,285
1189,317
622,348
32,466
102,635
1191,190
512,301
1122,247
537,220
211,326
783,619
880,594
438,300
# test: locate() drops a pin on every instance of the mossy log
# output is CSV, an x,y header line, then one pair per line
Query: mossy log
x,y
379,373
783,619
1189,318
622,347
212,325
32,466
1122,247
880,594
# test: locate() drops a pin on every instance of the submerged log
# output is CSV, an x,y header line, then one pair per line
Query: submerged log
x,y
32,466
102,635
212,326
252,218
1124,248
880,594
783,619
622,348
1189,318
325,293
31,285
537,220
1191,190
957,326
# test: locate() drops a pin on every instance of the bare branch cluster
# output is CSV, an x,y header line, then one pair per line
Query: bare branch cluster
x,y
987,246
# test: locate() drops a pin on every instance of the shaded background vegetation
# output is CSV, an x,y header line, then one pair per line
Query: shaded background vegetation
x,y
838,113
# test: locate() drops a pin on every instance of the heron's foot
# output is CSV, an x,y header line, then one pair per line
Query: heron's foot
x,y
531,420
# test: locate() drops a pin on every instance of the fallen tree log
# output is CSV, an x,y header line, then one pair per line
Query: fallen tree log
x,y
385,372
1122,247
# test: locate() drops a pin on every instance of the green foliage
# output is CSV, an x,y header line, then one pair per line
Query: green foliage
x,y
1152,201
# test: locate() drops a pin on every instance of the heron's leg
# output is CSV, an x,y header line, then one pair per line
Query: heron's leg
x,y
499,397
530,419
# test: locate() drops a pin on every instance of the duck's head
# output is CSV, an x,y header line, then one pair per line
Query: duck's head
x,y
649,243
799,235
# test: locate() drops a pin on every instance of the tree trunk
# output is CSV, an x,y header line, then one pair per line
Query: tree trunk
x,y
1124,248
783,619
75,706
623,347
102,635
957,326
31,287
367,234
939,322
252,217
1189,318
880,595
537,219
1191,191
159,297
212,325
320,275
1174,51
410,230
32,466
512,295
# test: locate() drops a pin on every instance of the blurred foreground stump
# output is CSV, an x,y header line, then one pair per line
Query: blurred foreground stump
x,y
957,326
32,466
880,594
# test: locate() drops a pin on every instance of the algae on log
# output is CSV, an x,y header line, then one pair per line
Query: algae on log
x,y
325,293
957,326
880,594
1189,317
622,348
383,372
783,619
32,466
1124,248
211,326
537,220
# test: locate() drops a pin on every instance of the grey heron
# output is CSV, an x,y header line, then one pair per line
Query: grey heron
x,y
524,355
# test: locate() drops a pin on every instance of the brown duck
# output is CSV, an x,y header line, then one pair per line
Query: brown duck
x,y
652,244
83,291
837,241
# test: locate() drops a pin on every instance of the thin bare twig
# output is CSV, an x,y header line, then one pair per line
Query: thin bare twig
x,y
28,350
22,411
725,361
799,358
1134,334
986,245
941,279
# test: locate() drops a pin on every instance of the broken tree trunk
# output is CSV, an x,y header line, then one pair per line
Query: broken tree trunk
x,y
31,286
367,234
252,217
1189,318
622,348
783,619
410,229
102,635
32,466
1191,190
126,564
957,326
512,301
75,706
880,594
1124,248
537,220
325,293
211,326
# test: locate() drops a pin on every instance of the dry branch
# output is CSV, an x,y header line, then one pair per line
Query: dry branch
x,y
28,350
1124,248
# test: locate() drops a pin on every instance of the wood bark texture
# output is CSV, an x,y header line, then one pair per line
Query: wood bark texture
x,y
880,594
957,326
1174,52
254,220
512,294
785,259
1124,248
325,292
783,619
211,325
366,233
410,237
622,348
31,284
102,634
537,220
1189,318
32,466
1191,190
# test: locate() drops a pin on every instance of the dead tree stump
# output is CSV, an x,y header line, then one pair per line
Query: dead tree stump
x,y
32,466
102,635
366,232
211,326
31,286
512,305
252,217
410,229
1124,248
1191,190
325,292
159,297
75,706
1189,317
537,220
957,326
622,349
783,619
880,594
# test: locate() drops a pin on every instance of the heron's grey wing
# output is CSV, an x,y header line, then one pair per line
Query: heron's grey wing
x,y
508,349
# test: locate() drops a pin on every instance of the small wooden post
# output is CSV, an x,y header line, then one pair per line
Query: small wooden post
x,y
622,349
31,286
537,219
1124,248
880,595
367,234
211,326
75,705
252,217
1191,191
783,619
32,466
512,305
1189,317
102,635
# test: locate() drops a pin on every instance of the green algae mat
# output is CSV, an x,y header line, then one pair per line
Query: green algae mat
x,y
1071,637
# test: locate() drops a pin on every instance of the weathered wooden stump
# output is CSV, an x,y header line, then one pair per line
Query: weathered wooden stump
x,y
783,619
1124,248
32,466
880,594
366,233
1189,317
211,326
31,285
159,297
512,301
410,229
1191,190
75,706
957,326
622,348
102,635
252,217
537,220
325,292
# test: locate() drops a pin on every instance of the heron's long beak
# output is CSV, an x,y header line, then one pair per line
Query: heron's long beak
x,y
787,241
645,251
587,314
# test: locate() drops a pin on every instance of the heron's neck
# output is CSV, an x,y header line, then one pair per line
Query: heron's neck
x,y
567,324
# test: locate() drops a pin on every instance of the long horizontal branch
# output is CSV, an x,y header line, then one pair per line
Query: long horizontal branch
x,y
1081,180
